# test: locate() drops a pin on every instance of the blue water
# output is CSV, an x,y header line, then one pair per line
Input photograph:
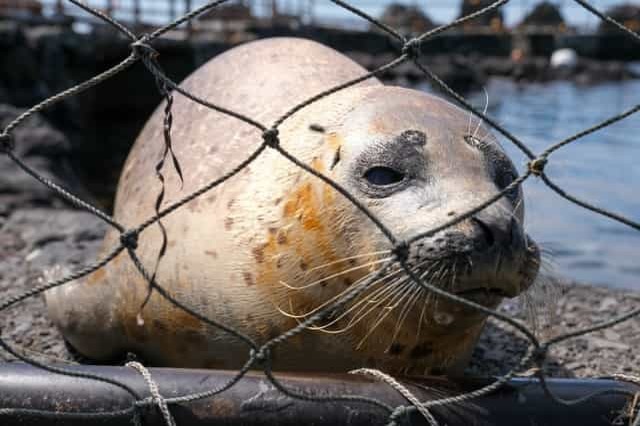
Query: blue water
x,y
602,168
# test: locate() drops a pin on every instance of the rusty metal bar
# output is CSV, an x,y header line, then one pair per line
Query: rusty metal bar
x,y
255,401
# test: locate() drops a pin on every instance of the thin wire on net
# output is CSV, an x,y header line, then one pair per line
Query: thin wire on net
x,y
141,50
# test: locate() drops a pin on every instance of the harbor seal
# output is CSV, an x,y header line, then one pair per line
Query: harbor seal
x,y
274,244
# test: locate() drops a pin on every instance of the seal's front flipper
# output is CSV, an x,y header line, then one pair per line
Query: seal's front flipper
x,y
83,311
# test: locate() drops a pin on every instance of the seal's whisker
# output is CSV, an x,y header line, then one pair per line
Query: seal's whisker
x,y
547,257
539,302
512,214
452,282
469,123
356,319
337,274
372,297
384,313
484,112
441,272
364,301
440,277
428,296
306,314
411,301
290,314
346,259
337,296
421,318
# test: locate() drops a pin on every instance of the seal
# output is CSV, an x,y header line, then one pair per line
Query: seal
x,y
274,244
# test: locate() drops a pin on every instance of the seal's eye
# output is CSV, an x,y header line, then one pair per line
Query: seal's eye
x,y
383,176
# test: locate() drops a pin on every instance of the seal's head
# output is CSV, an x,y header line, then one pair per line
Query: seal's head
x,y
415,161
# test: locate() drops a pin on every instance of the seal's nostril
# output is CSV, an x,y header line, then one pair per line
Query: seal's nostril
x,y
486,231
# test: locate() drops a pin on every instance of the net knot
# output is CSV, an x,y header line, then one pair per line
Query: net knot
x,y
536,166
270,137
539,355
401,251
261,356
142,49
398,414
7,143
411,48
129,239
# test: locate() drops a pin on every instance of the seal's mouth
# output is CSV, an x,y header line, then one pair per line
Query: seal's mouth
x,y
483,295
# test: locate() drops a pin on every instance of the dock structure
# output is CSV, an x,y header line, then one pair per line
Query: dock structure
x,y
540,31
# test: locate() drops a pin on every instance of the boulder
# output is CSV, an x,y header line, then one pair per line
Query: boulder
x,y
46,150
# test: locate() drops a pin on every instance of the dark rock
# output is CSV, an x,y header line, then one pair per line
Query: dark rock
x,y
35,137
21,83
42,148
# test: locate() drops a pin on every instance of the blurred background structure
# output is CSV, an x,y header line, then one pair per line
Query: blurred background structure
x,y
537,15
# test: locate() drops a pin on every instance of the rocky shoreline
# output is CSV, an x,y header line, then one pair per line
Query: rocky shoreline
x,y
40,232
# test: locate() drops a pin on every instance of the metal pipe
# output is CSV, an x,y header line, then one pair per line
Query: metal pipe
x,y
255,401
